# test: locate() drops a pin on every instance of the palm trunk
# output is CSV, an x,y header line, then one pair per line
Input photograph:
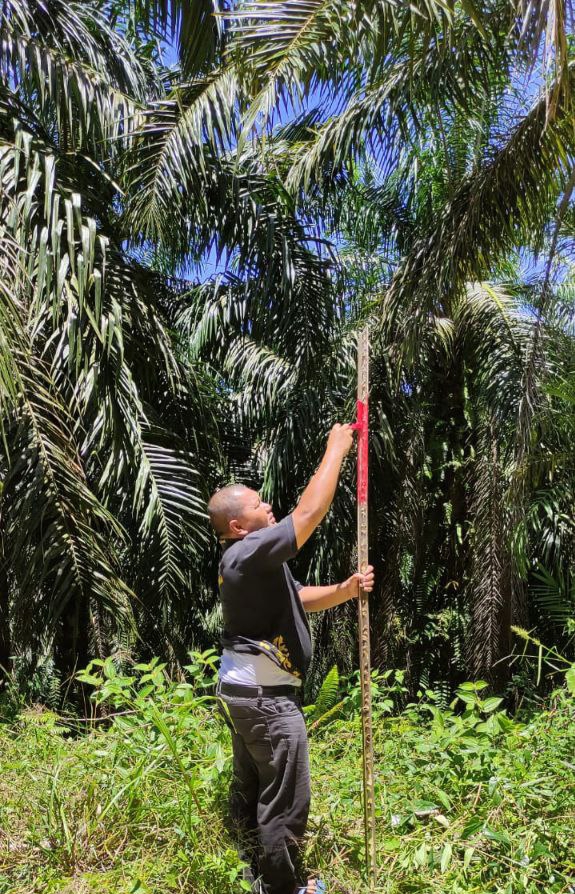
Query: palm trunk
x,y
440,546
490,588
72,650
5,633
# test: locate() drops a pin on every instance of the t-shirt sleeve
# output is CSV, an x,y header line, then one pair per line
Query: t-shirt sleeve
x,y
269,547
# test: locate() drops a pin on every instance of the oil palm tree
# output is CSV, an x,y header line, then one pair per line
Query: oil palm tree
x,y
107,426
110,425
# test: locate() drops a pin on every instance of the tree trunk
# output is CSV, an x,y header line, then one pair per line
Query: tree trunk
x,y
5,635
490,586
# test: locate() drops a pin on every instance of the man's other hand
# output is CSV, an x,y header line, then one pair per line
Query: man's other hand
x,y
340,438
353,583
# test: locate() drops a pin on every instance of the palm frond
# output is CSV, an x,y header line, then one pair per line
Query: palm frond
x,y
194,25
505,200
544,36
495,329
174,166
287,46
97,363
12,334
291,48
58,532
382,115
553,597
169,504
74,70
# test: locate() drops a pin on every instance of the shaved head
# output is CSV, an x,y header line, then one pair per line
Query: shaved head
x,y
238,510
225,505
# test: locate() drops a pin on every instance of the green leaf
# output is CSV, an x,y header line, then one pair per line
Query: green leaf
x,y
443,798
472,827
493,835
420,856
89,678
392,844
446,855
474,687
491,704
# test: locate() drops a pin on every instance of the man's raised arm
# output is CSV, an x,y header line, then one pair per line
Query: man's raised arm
x,y
318,495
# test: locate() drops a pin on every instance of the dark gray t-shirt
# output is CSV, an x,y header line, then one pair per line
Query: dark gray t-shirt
x,y
261,607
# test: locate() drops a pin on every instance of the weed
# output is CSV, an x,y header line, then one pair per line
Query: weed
x,y
469,801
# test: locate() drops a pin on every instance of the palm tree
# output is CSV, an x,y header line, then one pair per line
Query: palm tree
x,y
108,431
110,425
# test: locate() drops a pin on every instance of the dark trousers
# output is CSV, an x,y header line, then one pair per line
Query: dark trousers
x,y
270,792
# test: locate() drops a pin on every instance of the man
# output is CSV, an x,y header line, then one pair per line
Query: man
x,y
267,650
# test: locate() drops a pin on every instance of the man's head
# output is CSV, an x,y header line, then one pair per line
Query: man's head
x,y
237,510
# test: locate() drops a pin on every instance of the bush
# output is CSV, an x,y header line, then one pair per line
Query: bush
x,y
469,800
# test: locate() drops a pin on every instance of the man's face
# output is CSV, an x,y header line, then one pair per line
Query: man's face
x,y
254,514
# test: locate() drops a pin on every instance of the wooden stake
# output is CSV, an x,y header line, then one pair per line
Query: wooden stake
x,y
362,562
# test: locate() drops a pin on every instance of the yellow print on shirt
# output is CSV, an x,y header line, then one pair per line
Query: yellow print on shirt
x,y
283,655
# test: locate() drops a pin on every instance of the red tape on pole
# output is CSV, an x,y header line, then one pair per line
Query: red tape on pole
x,y
362,427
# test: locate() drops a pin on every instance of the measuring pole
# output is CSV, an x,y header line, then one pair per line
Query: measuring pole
x,y
362,426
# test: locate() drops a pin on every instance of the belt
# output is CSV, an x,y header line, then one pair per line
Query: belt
x,y
240,691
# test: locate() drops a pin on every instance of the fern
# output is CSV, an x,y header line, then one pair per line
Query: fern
x,y
327,698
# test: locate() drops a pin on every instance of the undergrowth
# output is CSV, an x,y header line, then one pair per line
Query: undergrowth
x,y
469,801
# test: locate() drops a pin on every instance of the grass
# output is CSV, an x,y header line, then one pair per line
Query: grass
x,y
467,801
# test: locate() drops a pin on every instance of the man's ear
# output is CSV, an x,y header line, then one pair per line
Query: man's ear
x,y
236,528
